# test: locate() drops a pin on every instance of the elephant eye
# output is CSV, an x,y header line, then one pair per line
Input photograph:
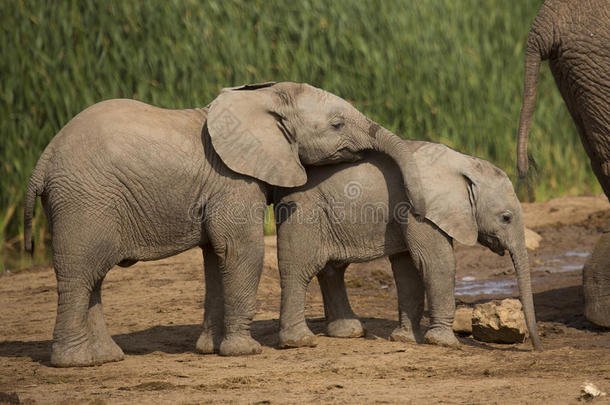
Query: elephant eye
x,y
338,125
507,217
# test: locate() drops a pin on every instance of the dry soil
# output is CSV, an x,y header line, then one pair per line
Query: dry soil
x,y
154,311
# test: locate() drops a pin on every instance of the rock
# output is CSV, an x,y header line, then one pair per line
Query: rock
x,y
499,322
462,322
532,239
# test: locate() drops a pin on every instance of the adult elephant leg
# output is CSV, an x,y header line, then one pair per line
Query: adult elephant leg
x,y
436,263
596,282
213,316
104,348
340,318
411,294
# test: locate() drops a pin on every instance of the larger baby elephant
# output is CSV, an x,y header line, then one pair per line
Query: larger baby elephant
x,y
358,212
575,37
125,181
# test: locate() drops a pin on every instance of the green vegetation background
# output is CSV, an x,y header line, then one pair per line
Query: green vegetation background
x,y
449,71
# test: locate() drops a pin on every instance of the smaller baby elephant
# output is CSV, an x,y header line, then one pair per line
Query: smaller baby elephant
x,y
359,212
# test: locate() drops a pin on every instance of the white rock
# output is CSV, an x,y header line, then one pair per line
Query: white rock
x,y
462,321
589,391
532,239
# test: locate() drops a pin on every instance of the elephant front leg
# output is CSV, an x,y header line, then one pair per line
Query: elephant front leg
x,y
411,294
240,268
432,253
340,318
213,316
295,277
440,283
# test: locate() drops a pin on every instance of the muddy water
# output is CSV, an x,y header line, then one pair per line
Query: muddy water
x,y
570,262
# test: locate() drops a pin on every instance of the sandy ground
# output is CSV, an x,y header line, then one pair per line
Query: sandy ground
x,y
154,311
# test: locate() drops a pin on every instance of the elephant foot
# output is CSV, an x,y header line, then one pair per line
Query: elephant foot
x,y
105,350
441,337
206,343
74,355
297,336
402,334
346,328
239,345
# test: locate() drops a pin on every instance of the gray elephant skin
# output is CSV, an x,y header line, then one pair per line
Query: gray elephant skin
x,y
358,212
574,35
125,181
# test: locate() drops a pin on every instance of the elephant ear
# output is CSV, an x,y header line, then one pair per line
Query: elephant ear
x,y
448,190
246,130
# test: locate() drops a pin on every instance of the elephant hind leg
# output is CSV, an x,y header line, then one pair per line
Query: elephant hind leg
x,y
80,337
411,296
104,349
81,261
340,318
213,316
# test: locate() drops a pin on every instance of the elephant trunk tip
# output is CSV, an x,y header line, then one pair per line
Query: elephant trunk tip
x,y
537,344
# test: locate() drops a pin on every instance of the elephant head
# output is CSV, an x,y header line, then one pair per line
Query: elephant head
x,y
270,130
472,200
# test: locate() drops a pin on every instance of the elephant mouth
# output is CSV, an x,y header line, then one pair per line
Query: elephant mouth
x,y
342,155
492,243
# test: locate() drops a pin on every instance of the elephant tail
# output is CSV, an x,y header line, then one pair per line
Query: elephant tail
x,y
540,43
532,68
34,189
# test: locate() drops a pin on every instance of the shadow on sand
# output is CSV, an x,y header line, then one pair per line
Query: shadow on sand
x,y
563,305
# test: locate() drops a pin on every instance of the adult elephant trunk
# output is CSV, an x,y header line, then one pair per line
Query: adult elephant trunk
x,y
521,263
395,147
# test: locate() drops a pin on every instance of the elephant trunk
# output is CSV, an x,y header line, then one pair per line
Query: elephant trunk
x,y
395,147
521,263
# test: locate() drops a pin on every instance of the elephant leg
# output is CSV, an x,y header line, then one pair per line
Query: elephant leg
x,y
240,260
104,349
80,337
295,277
213,317
411,295
340,318
71,346
596,282
432,253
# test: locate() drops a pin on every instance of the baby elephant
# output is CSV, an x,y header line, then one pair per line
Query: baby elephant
x,y
359,212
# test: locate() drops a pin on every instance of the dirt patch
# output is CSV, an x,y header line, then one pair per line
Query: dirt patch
x,y
154,311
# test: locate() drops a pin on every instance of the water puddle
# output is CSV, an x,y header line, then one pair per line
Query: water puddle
x,y
485,287
573,253
570,261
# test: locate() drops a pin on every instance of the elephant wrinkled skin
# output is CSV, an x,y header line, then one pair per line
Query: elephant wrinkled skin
x,y
358,212
125,181
574,35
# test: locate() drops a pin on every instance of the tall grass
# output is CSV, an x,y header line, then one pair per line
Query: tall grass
x,y
444,70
